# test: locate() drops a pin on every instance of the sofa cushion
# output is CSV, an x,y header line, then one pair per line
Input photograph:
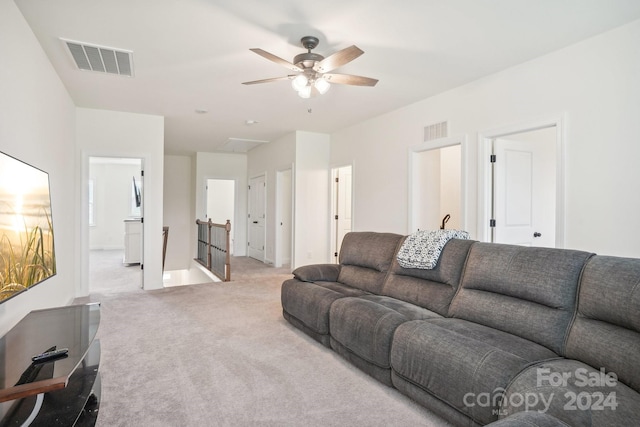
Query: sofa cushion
x,y
365,258
365,325
526,291
310,302
574,393
606,331
362,328
317,272
459,361
432,289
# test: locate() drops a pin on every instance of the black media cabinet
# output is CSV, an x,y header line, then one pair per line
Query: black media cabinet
x,y
59,392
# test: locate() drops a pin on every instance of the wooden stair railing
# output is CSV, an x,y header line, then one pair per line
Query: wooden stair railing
x,y
213,248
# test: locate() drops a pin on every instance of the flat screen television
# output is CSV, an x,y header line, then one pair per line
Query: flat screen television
x,y
27,255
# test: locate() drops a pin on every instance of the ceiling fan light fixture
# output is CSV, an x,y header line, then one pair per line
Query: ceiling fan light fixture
x,y
312,70
322,85
305,92
299,82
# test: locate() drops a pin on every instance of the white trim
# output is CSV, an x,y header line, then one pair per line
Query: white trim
x,y
484,171
278,255
293,216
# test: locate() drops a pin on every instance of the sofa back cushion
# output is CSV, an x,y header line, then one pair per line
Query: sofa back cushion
x,y
606,331
525,291
365,258
432,289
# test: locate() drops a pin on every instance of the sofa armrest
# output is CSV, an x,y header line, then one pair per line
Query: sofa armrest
x,y
317,272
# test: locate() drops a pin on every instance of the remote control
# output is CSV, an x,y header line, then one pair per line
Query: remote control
x,y
49,355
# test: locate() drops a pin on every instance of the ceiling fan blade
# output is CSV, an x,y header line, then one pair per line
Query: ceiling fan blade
x,y
271,57
338,59
348,79
274,79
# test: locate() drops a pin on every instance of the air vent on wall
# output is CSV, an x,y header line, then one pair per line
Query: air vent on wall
x,y
435,131
100,58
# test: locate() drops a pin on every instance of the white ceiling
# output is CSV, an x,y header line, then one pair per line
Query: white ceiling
x,y
193,55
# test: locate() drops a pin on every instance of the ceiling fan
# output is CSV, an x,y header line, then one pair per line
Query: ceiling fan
x,y
313,71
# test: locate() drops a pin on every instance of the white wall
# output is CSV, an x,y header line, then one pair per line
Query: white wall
x,y
267,159
179,211
427,190
311,199
223,166
437,190
451,186
221,195
115,134
593,83
37,119
308,153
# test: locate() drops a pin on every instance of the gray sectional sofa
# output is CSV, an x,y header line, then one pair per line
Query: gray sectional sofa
x,y
494,334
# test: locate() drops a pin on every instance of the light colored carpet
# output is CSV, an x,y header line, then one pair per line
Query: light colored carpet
x,y
107,273
221,354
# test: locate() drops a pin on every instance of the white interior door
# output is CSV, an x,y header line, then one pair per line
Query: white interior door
x,y
513,193
524,191
257,190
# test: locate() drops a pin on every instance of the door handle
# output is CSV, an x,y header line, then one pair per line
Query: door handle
x,y
255,222
536,234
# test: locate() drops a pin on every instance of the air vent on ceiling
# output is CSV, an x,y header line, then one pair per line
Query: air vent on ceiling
x,y
100,58
435,131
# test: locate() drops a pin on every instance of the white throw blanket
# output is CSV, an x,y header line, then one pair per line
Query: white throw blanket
x,y
422,249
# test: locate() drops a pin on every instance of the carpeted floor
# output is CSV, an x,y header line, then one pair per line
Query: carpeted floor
x,y
107,273
221,354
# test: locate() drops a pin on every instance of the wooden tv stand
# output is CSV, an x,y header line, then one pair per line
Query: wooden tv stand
x,y
58,392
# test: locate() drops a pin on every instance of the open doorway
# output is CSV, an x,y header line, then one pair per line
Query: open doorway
x,y
115,224
341,206
437,185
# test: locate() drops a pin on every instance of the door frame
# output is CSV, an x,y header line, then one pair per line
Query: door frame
x,y
435,144
485,185
279,256
85,228
333,206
